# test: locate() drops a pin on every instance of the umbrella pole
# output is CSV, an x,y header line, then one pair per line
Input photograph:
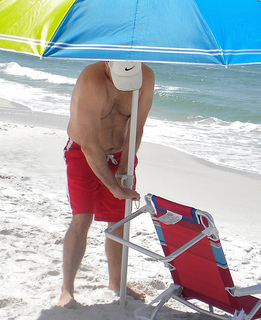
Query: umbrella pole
x,y
131,158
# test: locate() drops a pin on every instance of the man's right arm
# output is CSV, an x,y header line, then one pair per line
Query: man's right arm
x,y
92,95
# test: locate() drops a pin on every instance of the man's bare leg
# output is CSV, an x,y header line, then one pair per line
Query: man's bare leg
x,y
74,248
114,256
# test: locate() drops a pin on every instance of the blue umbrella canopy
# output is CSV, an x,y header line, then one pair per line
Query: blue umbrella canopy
x,y
187,31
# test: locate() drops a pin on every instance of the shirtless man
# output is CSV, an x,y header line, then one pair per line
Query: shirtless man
x,y
98,131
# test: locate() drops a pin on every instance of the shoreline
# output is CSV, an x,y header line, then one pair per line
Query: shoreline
x,y
18,113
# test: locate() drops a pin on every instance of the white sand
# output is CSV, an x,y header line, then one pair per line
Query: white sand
x,y
35,216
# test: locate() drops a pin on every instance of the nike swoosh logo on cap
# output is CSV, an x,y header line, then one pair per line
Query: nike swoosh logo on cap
x,y
128,69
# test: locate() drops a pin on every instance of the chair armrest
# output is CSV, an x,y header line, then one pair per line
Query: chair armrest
x,y
241,292
165,259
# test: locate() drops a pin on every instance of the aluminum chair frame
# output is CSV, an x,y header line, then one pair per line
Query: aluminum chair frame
x,y
175,291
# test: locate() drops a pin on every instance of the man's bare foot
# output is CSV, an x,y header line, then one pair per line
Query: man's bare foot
x,y
67,300
135,294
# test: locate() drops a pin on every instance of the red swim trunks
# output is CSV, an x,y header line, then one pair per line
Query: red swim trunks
x,y
87,194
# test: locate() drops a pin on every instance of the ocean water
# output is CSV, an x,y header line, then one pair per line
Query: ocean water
x,y
211,112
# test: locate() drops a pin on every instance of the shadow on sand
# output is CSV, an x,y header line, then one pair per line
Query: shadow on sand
x,y
113,311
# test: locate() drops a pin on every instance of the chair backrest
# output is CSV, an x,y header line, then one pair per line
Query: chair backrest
x,y
202,269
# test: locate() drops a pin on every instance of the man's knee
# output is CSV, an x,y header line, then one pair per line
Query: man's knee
x,y
81,223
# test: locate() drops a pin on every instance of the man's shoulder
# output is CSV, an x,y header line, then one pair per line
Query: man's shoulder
x,y
93,69
146,69
92,75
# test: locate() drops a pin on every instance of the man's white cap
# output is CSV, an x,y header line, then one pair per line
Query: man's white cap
x,y
126,75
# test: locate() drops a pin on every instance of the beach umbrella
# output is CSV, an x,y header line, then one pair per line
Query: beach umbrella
x,y
187,31
177,31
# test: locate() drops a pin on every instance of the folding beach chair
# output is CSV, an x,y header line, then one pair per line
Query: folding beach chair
x,y
194,255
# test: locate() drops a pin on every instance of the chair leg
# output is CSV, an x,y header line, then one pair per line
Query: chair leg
x,y
254,311
162,298
159,306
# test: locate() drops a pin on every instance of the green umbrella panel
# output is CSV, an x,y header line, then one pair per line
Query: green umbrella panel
x,y
28,25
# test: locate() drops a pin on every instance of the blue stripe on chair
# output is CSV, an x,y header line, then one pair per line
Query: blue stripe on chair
x,y
193,211
160,234
219,256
